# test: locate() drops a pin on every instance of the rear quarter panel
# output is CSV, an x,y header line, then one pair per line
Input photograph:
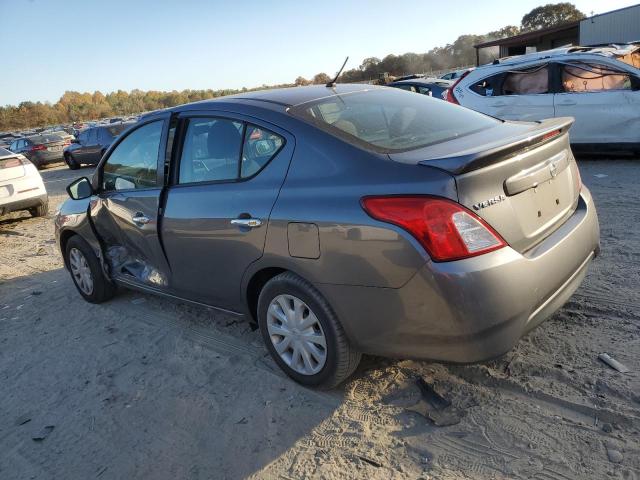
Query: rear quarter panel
x,y
324,186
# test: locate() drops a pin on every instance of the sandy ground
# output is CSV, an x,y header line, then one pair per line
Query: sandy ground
x,y
141,387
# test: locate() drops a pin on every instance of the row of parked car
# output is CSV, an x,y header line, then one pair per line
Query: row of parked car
x,y
22,154
76,144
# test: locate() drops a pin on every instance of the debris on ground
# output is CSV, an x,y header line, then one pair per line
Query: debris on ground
x,y
613,363
44,433
22,419
435,407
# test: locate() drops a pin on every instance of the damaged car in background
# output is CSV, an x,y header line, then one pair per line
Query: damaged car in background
x,y
343,220
598,86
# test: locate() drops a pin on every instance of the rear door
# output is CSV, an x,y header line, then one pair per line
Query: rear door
x,y
603,99
514,94
125,212
226,177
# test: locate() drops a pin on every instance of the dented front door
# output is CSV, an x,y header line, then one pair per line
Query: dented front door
x,y
125,212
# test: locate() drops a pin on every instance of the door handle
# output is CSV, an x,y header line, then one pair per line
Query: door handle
x,y
140,219
247,222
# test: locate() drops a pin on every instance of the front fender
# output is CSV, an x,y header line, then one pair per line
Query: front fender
x,y
73,218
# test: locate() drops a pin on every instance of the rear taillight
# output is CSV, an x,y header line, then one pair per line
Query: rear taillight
x,y
14,162
551,134
450,96
36,148
446,229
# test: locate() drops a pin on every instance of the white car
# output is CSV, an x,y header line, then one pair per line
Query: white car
x,y
21,186
599,87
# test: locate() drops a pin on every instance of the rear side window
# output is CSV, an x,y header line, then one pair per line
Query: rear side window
x,y
586,77
219,150
134,162
390,120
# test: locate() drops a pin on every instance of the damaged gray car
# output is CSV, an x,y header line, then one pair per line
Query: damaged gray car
x,y
342,220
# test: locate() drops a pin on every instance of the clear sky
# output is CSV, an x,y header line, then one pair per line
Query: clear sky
x,y
50,46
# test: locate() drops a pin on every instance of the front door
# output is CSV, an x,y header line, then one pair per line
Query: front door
x,y
604,101
523,94
227,180
125,211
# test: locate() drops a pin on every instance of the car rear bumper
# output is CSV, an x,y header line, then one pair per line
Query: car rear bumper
x,y
23,203
42,158
474,309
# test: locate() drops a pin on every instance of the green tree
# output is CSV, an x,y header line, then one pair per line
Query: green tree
x,y
321,78
550,15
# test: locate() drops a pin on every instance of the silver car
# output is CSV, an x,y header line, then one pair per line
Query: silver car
x,y
342,220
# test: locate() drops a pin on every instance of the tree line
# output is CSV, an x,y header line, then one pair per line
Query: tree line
x,y
77,107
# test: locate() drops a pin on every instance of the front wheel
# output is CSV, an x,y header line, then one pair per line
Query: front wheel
x,y
303,334
86,271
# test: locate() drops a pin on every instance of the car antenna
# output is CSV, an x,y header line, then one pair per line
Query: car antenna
x,y
332,83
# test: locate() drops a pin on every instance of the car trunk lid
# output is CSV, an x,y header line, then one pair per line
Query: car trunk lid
x,y
522,181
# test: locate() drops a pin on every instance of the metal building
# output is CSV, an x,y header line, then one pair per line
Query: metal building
x,y
617,26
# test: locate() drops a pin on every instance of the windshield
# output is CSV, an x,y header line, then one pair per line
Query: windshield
x,y
391,120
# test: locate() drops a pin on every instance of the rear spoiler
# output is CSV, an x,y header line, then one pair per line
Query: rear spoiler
x,y
491,153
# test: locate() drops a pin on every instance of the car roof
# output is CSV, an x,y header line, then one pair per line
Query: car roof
x,y
282,97
611,51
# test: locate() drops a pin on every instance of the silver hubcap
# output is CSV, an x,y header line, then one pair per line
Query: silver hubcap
x,y
81,271
296,334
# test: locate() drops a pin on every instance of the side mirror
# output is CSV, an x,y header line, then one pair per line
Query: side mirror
x,y
80,188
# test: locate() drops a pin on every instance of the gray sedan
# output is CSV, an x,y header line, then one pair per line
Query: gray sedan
x,y
342,220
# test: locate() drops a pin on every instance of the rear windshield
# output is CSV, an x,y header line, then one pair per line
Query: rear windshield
x,y
38,139
116,130
391,120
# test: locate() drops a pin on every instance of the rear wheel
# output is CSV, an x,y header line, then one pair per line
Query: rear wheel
x,y
303,334
86,271
71,162
39,211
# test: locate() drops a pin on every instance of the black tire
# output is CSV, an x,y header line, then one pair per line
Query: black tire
x,y
39,211
103,289
71,162
341,358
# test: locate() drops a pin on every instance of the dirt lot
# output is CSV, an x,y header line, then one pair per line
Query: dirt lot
x,y
144,388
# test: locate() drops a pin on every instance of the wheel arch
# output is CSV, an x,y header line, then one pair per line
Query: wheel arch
x,y
65,236
254,286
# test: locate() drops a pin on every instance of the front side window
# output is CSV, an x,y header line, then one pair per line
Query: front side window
x,y
530,81
134,162
581,77
389,120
